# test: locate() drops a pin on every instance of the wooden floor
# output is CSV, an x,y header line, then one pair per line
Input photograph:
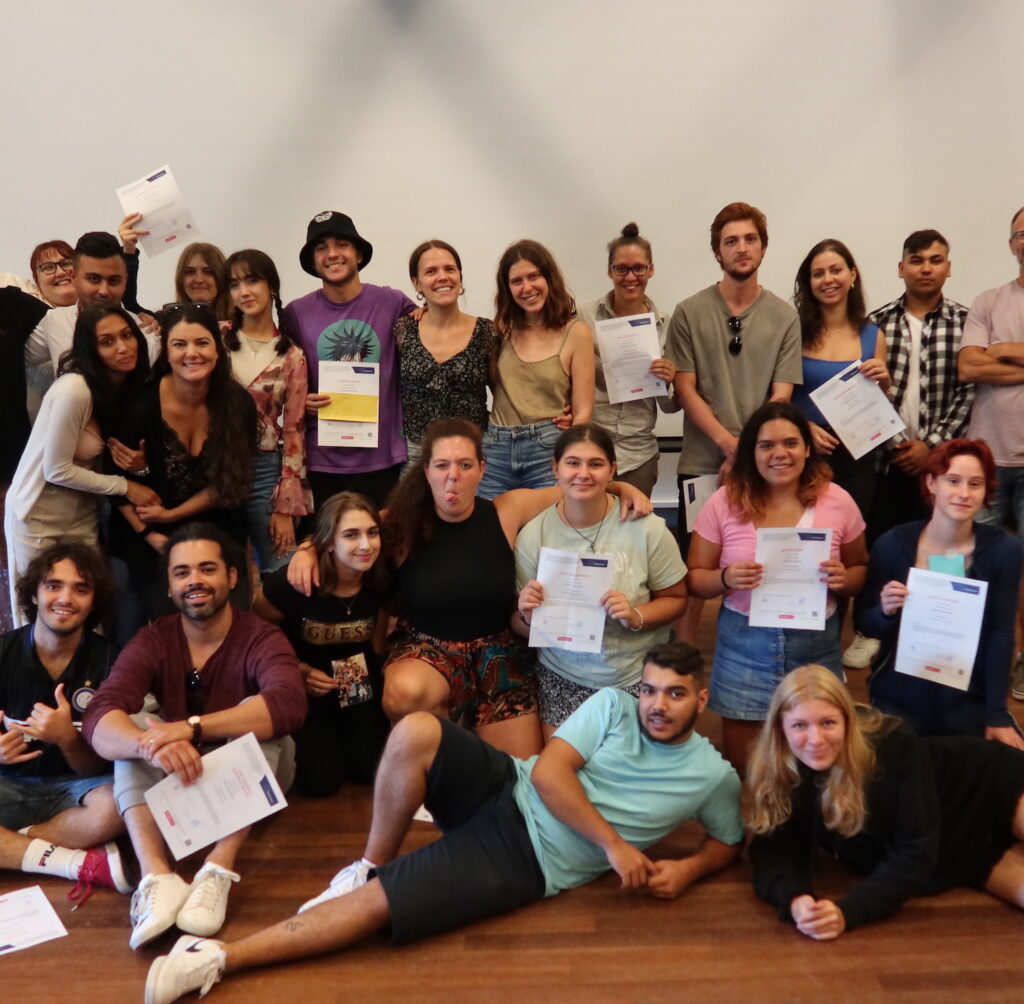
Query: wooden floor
x,y
593,944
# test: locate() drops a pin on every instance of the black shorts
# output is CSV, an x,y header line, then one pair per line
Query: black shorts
x,y
483,865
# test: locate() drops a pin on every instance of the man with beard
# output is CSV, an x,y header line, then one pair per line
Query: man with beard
x,y
217,672
735,346
618,775
56,801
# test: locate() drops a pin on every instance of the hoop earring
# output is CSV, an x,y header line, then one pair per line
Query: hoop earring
x,y
420,296
462,290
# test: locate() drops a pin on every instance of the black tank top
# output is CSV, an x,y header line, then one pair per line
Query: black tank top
x,y
461,584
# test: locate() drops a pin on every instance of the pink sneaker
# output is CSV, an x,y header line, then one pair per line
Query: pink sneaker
x,y
102,866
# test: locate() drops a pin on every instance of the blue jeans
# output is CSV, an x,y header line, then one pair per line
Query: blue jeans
x,y
266,473
1009,499
25,801
518,456
750,661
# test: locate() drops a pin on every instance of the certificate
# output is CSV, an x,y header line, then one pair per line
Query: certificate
x,y
351,419
628,346
164,213
696,491
792,593
940,626
858,410
237,788
571,616
27,919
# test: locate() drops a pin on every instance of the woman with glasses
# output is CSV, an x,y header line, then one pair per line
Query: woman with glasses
x,y
272,368
834,330
544,363
191,436
777,480
630,423
959,479
55,491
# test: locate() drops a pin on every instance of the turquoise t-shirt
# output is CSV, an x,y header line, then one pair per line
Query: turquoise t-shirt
x,y
644,789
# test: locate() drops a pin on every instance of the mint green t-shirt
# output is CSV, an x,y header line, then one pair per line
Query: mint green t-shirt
x,y
644,789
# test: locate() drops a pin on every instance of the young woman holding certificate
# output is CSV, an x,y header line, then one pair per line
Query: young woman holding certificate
x,y
778,480
913,816
830,301
960,477
647,592
630,423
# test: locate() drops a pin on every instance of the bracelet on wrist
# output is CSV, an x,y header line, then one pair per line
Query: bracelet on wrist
x,y
725,585
640,627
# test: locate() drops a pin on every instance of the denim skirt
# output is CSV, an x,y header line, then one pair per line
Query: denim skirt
x,y
750,661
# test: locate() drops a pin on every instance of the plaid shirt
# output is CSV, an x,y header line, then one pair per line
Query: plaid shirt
x,y
945,402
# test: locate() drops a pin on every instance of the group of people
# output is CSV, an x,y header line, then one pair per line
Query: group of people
x,y
359,642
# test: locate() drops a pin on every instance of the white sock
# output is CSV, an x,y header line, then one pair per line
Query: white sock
x,y
51,859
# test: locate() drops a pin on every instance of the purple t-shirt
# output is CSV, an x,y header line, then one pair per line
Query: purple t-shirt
x,y
359,329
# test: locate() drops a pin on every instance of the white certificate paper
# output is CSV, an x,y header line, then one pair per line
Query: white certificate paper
x,y
858,411
164,213
27,919
940,627
696,491
237,788
351,419
791,593
571,616
628,347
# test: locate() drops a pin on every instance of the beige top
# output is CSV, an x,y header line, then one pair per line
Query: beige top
x,y
530,392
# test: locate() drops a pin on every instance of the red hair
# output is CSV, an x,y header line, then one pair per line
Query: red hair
x,y
941,457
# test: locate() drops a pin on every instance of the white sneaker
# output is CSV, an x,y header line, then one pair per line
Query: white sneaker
x,y
861,652
203,911
155,905
194,964
350,878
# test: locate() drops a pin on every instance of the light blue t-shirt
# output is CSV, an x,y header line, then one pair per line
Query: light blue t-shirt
x,y
644,789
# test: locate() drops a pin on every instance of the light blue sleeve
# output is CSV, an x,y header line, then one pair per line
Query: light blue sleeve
x,y
719,813
586,729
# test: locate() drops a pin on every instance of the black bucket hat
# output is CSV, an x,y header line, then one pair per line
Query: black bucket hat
x,y
338,225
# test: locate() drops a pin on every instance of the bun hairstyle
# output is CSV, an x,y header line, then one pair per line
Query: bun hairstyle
x,y
629,236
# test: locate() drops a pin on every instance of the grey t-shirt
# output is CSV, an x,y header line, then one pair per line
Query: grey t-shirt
x,y
697,341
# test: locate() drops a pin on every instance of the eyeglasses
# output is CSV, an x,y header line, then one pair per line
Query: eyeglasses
x,y
65,265
623,270
193,692
173,308
736,342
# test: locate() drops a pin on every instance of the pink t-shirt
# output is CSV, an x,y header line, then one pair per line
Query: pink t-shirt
x,y
720,524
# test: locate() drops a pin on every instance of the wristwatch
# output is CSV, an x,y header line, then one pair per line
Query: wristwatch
x,y
196,724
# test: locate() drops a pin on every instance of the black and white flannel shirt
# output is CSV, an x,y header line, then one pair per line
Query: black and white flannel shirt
x,y
945,401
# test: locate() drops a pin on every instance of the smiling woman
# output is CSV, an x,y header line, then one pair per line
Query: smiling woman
x,y
191,436
53,496
960,478
778,480
544,364
646,588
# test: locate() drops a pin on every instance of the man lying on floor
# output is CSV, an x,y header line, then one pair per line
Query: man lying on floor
x,y
618,776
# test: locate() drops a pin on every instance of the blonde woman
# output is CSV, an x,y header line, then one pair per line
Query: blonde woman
x,y
913,816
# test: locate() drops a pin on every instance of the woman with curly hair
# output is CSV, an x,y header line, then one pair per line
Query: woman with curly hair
x,y
913,816
777,480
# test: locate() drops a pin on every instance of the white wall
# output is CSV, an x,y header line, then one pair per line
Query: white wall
x,y
482,122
